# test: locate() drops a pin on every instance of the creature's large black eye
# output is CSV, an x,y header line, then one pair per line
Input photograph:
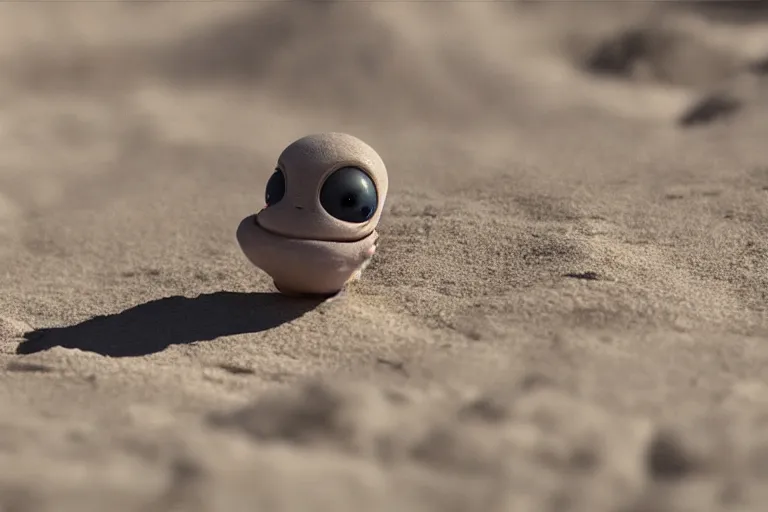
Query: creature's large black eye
x,y
349,195
275,188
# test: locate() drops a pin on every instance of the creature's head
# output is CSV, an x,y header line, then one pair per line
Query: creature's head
x,y
329,186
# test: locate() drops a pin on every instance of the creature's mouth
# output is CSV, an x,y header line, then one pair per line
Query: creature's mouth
x,y
314,239
271,232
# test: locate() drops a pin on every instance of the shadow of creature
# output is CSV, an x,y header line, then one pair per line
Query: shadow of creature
x,y
153,326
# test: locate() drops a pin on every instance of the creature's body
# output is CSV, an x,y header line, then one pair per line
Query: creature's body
x,y
324,201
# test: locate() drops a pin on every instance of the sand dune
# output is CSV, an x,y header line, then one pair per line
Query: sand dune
x,y
568,309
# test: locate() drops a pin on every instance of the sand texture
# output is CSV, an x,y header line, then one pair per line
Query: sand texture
x,y
567,311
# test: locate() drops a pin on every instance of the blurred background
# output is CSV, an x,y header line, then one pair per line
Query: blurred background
x,y
105,100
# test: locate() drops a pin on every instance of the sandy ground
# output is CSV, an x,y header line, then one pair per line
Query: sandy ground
x,y
568,310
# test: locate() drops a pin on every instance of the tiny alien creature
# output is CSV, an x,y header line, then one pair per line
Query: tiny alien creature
x,y
317,231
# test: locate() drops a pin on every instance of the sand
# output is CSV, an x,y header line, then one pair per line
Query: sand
x,y
568,310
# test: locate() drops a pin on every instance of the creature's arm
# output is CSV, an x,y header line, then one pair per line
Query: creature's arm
x,y
371,249
365,258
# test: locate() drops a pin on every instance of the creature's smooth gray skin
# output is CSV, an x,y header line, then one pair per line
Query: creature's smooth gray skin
x,y
318,229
